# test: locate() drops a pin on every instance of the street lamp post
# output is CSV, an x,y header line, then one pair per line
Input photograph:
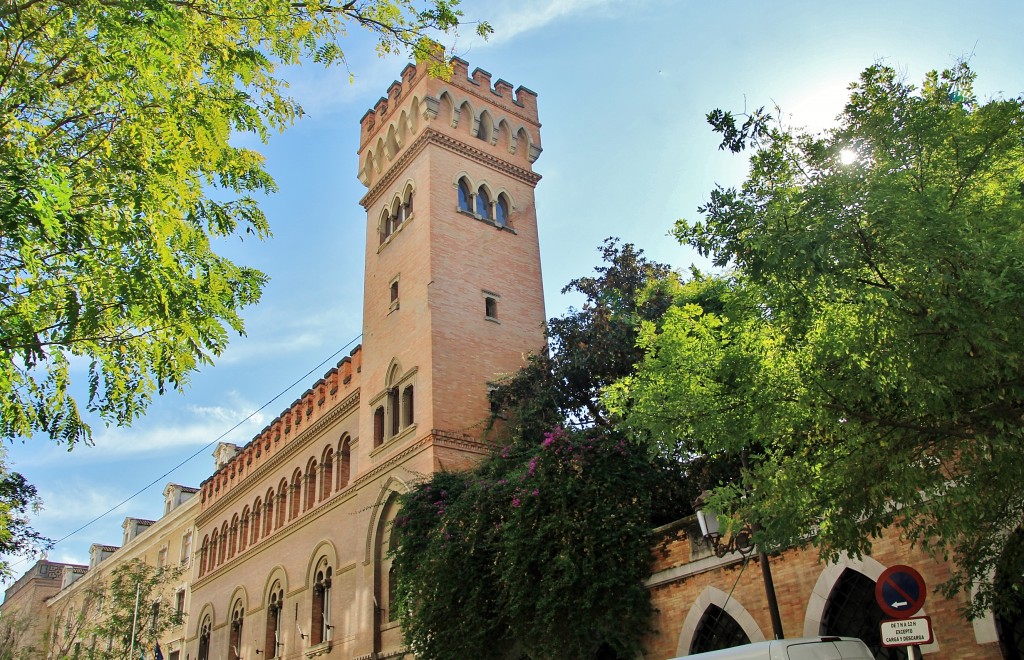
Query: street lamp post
x,y
741,542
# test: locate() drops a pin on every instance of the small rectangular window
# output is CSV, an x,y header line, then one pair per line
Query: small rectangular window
x,y
491,306
393,288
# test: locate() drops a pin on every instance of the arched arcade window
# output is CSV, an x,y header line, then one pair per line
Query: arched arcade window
x,y
501,208
717,630
483,203
465,197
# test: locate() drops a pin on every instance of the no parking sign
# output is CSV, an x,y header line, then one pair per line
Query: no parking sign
x,y
900,591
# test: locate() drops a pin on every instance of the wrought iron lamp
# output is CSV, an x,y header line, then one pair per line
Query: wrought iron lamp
x,y
740,541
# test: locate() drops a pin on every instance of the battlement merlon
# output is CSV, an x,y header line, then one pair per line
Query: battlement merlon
x,y
339,381
522,102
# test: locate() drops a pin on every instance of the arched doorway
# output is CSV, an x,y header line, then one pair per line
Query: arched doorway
x,y
851,611
1009,606
717,630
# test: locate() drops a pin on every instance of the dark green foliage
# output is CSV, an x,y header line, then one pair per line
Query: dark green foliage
x,y
17,498
588,349
542,550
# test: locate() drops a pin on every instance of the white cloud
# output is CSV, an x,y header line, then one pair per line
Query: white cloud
x,y
511,19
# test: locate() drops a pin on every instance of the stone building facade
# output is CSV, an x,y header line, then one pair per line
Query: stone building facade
x,y
294,526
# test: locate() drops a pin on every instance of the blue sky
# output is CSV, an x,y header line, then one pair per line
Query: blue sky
x,y
623,90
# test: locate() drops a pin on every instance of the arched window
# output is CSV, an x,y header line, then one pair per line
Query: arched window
x,y
257,518
393,411
282,503
273,646
465,198
408,202
268,513
344,462
320,623
851,610
501,211
385,226
235,639
211,562
222,553
296,495
204,639
310,485
233,539
483,203
326,474
243,530
378,426
717,630
407,416
202,555
397,214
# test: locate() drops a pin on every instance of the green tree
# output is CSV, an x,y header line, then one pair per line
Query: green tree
x,y
118,176
869,354
100,621
17,499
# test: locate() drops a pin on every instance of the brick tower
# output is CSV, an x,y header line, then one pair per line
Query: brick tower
x,y
453,292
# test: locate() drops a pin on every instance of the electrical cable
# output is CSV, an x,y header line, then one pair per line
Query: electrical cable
x,y
197,452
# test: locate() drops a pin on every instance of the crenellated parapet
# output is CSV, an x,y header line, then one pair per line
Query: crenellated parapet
x,y
334,387
503,120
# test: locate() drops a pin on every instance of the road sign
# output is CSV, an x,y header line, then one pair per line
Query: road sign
x,y
900,591
907,632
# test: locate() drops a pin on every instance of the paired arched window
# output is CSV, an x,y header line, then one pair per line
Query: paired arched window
x,y
320,623
235,638
204,639
396,413
272,638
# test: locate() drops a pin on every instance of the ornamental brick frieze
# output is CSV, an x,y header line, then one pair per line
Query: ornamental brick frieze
x,y
299,443
433,136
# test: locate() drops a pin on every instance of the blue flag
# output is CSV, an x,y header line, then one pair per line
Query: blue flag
x,y
157,653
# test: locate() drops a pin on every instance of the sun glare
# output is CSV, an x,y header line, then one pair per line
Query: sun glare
x,y
847,156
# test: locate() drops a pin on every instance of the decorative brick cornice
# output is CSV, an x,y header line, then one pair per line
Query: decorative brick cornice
x,y
432,136
346,406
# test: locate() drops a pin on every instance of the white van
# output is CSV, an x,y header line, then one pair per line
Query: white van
x,y
807,648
